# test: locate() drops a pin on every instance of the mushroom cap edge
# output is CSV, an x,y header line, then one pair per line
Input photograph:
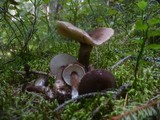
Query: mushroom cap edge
x,y
96,37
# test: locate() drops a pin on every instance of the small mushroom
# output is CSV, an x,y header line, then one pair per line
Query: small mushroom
x,y
42,80
32,88
49,93
59,85
44,90
86,40
61,89
72,74
62,92
96,80
59,61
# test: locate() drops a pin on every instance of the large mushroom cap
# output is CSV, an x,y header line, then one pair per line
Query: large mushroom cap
x,y
97,37
60,60
96,80
70,69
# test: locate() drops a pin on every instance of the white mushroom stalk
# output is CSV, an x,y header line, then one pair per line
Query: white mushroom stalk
x,y
86,40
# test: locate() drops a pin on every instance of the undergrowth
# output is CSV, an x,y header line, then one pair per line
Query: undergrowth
x,y
32,38
18,105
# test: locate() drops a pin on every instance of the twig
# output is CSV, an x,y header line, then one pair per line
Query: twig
x,y
77,98
149,59
34,72
134,57
40,73
118,93
154,98
120,62
125,100
121,90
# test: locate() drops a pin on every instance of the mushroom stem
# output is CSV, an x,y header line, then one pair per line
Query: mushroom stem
x,y
74,84
84,55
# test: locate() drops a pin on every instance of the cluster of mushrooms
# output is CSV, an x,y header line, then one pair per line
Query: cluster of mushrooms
x,y
75,77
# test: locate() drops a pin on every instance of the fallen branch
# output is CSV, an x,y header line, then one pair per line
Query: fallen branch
x,y
78,98
121,90
149,59
34,72
120,62
154,98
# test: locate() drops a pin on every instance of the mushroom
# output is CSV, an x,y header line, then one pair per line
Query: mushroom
x,y
46,91
42,80
60,86
96,80
86,40
59,61
62,92
72,74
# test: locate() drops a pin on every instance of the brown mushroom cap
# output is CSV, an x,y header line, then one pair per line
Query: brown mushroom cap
x,y
97,37
73,68
60,60
96,80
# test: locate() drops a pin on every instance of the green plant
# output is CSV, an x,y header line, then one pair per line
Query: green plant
x,y
31,37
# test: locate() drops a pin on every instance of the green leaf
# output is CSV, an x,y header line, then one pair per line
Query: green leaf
x,y
120,0
46,1
153,21
137,41
154,33
153,47
142,5
140,25
112,11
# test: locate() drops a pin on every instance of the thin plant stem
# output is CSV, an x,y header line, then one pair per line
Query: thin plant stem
x,y
140,55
